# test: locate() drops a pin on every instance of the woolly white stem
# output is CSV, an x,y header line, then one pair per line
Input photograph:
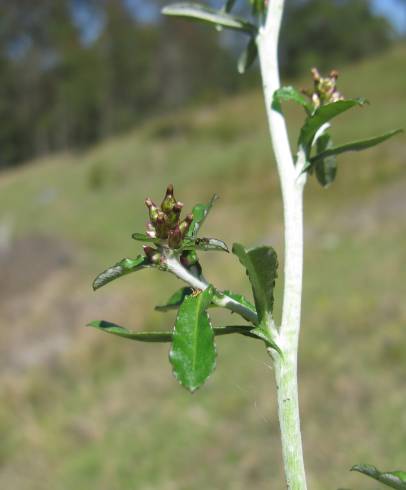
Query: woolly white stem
x,y
292,183
174,266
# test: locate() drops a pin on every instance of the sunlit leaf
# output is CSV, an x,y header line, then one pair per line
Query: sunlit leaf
x,y
203,13
393,479
285,94
125,266
193,353
175,300
248,56
323,115
353,146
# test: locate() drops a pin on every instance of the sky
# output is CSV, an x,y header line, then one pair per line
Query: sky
x,y
395,10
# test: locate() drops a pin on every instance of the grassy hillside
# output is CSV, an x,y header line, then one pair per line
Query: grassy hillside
x,y
81,410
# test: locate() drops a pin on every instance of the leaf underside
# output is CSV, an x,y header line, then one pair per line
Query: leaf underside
x,y
202,13
393,479
193,352
123,267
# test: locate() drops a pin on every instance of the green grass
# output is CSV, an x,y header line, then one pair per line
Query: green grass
x,y
104,413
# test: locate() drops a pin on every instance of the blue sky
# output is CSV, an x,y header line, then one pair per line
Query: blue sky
x,y
395,10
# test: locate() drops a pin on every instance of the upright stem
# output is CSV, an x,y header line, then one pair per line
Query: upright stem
x,y
292,183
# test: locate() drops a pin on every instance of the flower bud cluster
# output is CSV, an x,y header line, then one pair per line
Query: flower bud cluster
x,y
165,223
325,89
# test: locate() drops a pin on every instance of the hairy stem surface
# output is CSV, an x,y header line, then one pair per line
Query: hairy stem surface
x,y
225,301
292,183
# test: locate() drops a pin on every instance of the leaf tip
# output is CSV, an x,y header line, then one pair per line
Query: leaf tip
x,y
166,10
93,324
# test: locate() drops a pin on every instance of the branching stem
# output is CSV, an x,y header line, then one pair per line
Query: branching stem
x,y
173,265
292,183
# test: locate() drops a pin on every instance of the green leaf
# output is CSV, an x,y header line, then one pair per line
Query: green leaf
x,y
127,334
230,329
353,146
393,479
141,237
290,94
202,13
125,266
323,115
114,329
200,212
261,264
175,300
248,56
193,353
326,168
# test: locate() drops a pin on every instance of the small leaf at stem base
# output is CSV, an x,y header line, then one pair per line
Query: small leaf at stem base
x,y
175,300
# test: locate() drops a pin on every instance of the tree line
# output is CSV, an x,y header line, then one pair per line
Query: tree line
x,y
76,71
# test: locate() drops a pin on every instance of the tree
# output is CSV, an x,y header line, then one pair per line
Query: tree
x,y
329,33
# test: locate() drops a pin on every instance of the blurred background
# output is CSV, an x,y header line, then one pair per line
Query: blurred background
x,y
104,103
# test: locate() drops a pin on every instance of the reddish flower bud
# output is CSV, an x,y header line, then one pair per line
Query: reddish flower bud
x,y
185,224
325,89
153,210
175,237
161,225
174,215
169,200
